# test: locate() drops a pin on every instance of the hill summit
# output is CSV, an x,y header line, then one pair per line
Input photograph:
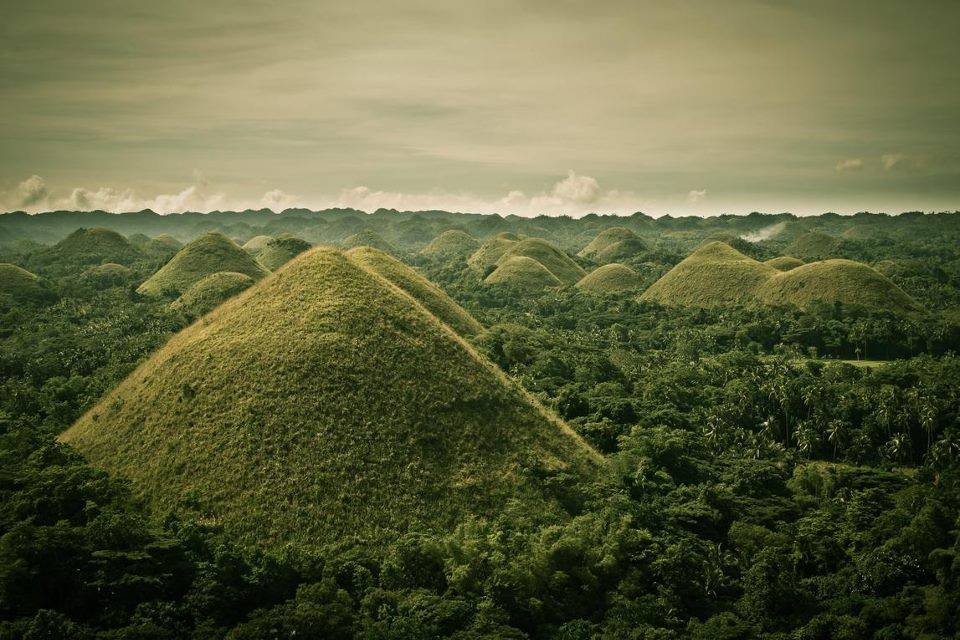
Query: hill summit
x,y
208,254
91,246
452,243
615,243
298,412
610,278
17,286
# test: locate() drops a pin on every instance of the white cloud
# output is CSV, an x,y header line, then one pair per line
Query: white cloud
x,y
574,188
695,196
32,192
277,200
850,164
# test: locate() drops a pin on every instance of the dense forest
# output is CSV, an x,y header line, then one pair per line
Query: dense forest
x,y
772,471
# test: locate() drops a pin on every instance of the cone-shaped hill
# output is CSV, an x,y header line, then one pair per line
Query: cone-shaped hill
x,y
784,263
17,285
210,253
489,253
451,243
209,292
325,402
829,281
610,278
557,262
615,243
280,251
255,244
715,274
91,246
814,245
419,288
368,238
524,274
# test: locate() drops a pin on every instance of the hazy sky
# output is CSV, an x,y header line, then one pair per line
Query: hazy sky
x,y
697,106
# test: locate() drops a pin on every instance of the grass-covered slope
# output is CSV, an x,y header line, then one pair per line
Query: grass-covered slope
x,y
210,253
17,285
210,292
419,288
615,243
557,262
715,274
368,238
523,273
829,281
280,251
813,245
91,246
784,263
610,278
322,403
255,244
451,243
489,253
622,250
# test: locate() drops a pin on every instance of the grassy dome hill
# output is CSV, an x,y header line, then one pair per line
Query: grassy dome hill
x,y
784,263
107,275
92,246
610,278
298,412
255,244
622,250
509,235
368,238
163,246
557,262
489,253
713,275
417,287
280,251
830,281
606,238
813,245
453,243
210,292
139,240
17,286
523,273
210,253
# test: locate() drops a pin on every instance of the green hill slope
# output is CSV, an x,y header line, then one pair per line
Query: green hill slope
x,y
715,274
452,243
610,278
368,238
615,243
419,288
489,253
784,263
17,285
298,412
91,246
813,245
523,273
255,244
210,292
210,253
557,262
844,281
280,251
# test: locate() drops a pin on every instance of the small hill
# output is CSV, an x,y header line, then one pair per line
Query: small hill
x,y
163,246
139,240
813,245
622,250
368,238
18,286
606,239
255,244
451,243
784,263
508,235
210,253
830,281
210,292
106,275
557,262
489,253
280,251
610,278
715,274
417,287
299,412
523,273
91,246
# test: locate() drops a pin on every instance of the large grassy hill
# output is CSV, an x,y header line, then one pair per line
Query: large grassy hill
x,y
255,244
397,425
613,244
715,274
489,253
814,245
90,246
452,243
557,262
610,278
368,238
211,291
524,274
844,281
419,288
279,251
208,254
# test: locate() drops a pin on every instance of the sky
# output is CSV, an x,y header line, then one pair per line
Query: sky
x,y
525,107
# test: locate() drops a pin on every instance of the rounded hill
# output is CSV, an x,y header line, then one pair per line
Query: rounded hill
x,y
210,292
208,254
92,246
298,412
523,273
557,262
489,253
784,263
813,245
613,244
417,287
715,274
368,238
452,243
280,251
610,278
256,243
17,285
832,281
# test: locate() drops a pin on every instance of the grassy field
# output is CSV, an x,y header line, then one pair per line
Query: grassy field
x,y
208,254
398,422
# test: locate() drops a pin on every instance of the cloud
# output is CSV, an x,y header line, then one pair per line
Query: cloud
x,y
850,164
582,189
696,196
893,160
277,200
32,192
